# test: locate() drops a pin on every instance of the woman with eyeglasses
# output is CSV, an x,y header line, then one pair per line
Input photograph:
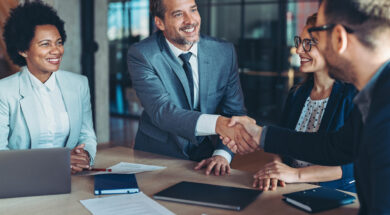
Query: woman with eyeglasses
x,y
318,104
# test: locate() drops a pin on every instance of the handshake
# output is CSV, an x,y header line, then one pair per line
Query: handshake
x,y
239,133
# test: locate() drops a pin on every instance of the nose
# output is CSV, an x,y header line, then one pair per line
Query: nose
x,y
300,49
55,50
188,19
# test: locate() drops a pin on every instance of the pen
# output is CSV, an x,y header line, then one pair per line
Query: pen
x,y
102,170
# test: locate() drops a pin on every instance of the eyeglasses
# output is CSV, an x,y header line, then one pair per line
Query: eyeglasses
x,y
325,28
306,43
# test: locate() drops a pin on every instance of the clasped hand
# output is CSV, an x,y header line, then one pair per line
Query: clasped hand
x,y
240,133
79,159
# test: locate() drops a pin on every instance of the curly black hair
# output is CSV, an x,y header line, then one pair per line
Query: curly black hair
x,y
19,29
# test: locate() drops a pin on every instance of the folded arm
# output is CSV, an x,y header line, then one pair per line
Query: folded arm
x,y
289,174
87,133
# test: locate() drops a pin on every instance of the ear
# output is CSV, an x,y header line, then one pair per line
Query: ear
x,y
340,39
159,23
23,54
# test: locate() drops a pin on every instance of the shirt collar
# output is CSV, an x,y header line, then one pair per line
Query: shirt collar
x,y
50,84
363,98
177,52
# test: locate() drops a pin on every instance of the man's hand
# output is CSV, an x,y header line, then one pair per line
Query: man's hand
x,y
251,128
218,164
278,170
225,127
268,183
79,159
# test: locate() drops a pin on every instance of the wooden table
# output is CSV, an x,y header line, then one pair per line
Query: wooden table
x,y
151,182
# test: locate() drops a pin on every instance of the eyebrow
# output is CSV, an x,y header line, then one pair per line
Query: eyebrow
x,y
48,40
45,40
177,11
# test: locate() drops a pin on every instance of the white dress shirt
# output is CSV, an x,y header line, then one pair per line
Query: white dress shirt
x,y
53,117
206,122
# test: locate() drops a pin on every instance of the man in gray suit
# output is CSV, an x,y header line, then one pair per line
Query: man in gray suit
x,y
184,82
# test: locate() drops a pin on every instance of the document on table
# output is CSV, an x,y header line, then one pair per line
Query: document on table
x,y
126,204
124,168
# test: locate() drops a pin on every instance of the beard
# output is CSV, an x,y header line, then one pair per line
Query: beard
x,y
338,67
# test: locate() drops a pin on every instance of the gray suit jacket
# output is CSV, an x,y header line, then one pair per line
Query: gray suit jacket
x,y
19,125
167,125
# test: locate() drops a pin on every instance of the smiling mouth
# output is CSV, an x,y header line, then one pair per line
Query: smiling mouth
x,y
189,29
305,60
54,61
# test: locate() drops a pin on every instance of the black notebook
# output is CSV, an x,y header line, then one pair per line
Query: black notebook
x,y
318,199
209,195
115,184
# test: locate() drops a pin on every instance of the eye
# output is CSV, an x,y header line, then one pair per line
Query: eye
x,y
59,43
45,44
307,42
194,9
178,14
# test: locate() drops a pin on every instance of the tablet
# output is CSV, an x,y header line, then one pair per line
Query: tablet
x,y
223,197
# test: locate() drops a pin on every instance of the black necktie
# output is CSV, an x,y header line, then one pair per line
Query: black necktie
x,y
187,68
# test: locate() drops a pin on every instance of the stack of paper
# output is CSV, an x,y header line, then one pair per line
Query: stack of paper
x,y
136,204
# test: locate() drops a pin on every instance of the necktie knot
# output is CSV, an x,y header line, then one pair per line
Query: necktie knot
x,y
185,57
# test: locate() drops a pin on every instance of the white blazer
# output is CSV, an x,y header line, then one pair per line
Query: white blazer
x,y
19,127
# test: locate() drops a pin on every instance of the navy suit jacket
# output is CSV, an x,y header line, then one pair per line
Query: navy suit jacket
x,y
366,144
337,111
167,125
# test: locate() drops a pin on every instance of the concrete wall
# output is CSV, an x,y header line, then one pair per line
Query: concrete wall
x,y
69,11
102,126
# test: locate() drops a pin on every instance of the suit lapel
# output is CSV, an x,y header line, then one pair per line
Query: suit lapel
x,y
335,99
71,104
203,70
28,107
175,65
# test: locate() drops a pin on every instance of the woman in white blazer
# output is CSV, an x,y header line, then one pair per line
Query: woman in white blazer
x,y
42,106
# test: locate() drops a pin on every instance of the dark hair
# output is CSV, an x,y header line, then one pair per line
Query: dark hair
x,y
311,20
157,8
365,17
19,29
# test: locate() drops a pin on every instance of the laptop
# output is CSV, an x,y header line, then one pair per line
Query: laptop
x,y
231,198
34,172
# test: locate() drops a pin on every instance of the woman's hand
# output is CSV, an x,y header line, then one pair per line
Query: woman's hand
x,y
276,170
268,183
79,159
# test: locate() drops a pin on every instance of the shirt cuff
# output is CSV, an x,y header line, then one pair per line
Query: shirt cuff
x,y
224,154
205,125
262,138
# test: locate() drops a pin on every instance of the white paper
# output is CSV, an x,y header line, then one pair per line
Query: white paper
x,y
130,168
127,204
124,168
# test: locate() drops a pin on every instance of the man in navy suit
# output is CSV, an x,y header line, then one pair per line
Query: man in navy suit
x,y
184,81
354,36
